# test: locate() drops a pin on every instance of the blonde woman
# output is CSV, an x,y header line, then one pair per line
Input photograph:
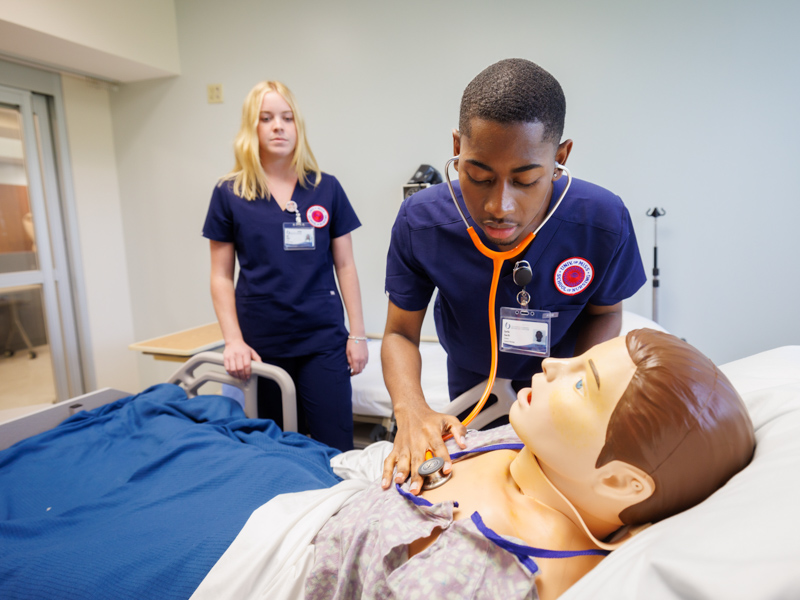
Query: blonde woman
x,y
289,225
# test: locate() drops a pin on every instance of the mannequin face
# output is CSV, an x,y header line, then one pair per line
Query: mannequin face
x,y
562,418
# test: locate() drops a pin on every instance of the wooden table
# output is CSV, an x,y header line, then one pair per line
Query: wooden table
x,y
181,346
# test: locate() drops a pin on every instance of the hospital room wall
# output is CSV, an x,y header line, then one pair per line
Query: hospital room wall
x,y
689,106
102,250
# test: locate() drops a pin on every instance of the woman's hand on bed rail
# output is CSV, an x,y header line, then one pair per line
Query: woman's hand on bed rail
x,y
417,433
237,357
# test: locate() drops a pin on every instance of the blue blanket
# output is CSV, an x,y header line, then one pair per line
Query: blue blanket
x,y
139,498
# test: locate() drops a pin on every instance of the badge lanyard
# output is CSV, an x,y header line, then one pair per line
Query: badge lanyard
x,y
525,330
298,235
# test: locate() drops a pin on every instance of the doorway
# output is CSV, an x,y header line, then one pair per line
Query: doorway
x,y
40,359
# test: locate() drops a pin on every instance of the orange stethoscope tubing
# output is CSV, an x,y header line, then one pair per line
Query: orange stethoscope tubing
x,y
498,258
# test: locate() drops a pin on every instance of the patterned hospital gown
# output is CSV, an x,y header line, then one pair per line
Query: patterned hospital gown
x,y
362,551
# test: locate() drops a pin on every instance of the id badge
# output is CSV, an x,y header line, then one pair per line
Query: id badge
x,y
298,236
525,331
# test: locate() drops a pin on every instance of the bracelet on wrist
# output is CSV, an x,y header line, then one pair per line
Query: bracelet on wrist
x,y
356,339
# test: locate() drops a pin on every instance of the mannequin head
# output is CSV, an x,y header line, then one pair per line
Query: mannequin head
x,y
681,421
636,429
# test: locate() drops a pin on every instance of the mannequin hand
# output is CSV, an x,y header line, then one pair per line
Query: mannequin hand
x,y
415,435
237,357
357,356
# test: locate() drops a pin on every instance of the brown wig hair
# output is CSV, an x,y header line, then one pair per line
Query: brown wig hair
x,y
681,421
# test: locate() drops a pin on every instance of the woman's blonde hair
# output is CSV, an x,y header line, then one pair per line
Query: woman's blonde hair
x,y
249,180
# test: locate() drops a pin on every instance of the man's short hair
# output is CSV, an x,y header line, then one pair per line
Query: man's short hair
x,y
515,90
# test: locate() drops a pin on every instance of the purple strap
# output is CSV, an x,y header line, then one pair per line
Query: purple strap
x,y
416,499
523,553
514,446
409,496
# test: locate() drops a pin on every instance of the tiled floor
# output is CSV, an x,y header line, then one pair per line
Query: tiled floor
x,y
26,384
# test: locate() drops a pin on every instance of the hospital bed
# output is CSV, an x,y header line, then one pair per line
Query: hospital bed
x,y
159,525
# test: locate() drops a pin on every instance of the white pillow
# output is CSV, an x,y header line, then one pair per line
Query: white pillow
x,y
633,321
743,541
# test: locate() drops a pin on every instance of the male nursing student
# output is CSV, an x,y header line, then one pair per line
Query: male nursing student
x,y
584,260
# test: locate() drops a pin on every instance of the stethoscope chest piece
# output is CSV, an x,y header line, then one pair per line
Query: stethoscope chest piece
x,y
431,471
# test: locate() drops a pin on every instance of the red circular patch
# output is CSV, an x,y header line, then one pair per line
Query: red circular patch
x,y
317,216
573,275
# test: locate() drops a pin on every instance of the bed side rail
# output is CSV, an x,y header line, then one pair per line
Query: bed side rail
x,y
25,426
186,378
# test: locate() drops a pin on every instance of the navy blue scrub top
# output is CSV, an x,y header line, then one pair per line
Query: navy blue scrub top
x,y
430,249
287,302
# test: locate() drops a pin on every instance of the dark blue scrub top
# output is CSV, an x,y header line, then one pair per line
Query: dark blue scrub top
x,y
287,302
430,249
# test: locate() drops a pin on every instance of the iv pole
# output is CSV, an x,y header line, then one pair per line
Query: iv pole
x,y
655,213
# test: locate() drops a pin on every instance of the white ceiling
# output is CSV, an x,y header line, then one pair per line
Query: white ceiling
x,y
39,48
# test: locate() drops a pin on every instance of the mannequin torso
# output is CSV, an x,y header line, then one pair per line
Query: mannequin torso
x,y
484,483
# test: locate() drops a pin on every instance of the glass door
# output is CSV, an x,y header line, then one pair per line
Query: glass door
x,y
39,358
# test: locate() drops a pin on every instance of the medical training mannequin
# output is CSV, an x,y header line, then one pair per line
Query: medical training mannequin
x,y
288,224
635,430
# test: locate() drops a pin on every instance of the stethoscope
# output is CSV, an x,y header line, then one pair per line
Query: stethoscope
x,y
431,468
